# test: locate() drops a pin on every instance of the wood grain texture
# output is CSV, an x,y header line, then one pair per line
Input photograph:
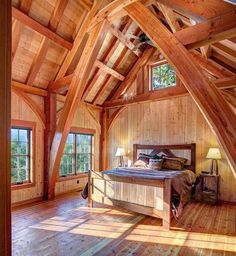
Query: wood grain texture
x,y
33,24
175,121
68,227
215,108
5,120
73,98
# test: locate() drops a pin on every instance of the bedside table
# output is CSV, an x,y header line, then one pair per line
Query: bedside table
x,y
210,188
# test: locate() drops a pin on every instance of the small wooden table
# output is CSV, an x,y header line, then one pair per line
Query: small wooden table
x,y
210,190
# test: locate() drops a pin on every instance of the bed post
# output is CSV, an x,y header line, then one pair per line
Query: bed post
x,y
167,204
90,202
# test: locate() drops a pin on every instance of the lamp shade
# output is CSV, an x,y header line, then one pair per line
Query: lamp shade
x,y
120,152
213,153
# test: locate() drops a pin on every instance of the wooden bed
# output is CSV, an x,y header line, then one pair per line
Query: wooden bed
x,y
147,196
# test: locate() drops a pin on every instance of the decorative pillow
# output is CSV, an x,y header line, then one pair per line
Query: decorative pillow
x,y
146,157
155,164
172,164
140,164
180,159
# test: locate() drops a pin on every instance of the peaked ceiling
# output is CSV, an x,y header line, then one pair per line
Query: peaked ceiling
x,y
48,38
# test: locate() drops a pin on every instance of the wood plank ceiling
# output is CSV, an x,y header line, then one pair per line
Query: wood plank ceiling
x,y
48,38
51,37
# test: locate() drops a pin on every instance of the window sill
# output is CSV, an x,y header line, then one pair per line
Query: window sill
x,y
22,186
73,177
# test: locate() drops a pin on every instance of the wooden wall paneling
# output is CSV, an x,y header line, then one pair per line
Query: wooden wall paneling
x,y
23,113
170,121
215,108
79,39
50,112
33,105
73,98
5,119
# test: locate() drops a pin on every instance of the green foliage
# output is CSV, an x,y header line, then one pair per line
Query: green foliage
x,y
20,160
163,76
77,154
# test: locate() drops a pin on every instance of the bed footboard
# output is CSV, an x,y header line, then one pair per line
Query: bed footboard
x,y
145,196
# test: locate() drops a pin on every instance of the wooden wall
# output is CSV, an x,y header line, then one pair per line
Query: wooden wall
x,y
172,121
82,120
21,111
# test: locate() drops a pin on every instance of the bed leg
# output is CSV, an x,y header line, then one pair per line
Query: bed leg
x,y
90,201
167,205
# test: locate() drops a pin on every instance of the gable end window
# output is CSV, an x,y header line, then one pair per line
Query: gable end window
x,y
162,76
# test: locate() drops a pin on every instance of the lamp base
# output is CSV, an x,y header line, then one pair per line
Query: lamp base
x,y
214,167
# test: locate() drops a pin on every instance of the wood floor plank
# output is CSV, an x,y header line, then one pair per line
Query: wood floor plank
x,y
68,227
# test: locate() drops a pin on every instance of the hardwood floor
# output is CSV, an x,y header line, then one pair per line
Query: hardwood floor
x,y
68,227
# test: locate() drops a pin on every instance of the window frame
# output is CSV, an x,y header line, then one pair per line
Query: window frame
x,y
20,124
160,63
84,131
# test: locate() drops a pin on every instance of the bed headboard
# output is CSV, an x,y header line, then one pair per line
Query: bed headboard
x,y
166,149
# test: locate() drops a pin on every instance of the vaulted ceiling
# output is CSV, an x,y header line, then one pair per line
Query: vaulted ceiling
x,y
73,51
48,38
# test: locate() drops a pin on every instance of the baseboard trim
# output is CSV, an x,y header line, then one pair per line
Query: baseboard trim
x,y
227,202
28,201
69,191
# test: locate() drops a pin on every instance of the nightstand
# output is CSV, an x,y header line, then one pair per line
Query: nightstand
x,y
210,188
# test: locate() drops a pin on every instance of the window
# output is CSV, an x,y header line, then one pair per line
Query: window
x,y
162,76
77,155
20,155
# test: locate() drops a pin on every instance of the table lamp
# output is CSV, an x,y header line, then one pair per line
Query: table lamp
x,y
214,155
120,152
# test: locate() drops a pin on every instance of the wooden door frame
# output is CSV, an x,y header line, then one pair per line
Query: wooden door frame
x,y
5,120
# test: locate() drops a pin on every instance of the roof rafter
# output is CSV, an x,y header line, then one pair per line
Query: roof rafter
x,y
105,59
78,40
44,31
73,98
109,70
215,109
124,39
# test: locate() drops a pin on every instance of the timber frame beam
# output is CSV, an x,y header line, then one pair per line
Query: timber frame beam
x,y
73,99
215,108
5,127
44,31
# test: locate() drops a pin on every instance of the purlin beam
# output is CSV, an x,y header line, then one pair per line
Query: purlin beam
x,y
208,98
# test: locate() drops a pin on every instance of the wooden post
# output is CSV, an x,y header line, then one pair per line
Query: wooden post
x,y
104,141
167,204
5,121
50,127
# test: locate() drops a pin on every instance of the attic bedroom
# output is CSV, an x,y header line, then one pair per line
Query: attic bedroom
x,y
118,127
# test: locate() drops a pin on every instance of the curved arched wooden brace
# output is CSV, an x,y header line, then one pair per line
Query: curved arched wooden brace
x,y
90,112
73,98
38,112
205,94
114,116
